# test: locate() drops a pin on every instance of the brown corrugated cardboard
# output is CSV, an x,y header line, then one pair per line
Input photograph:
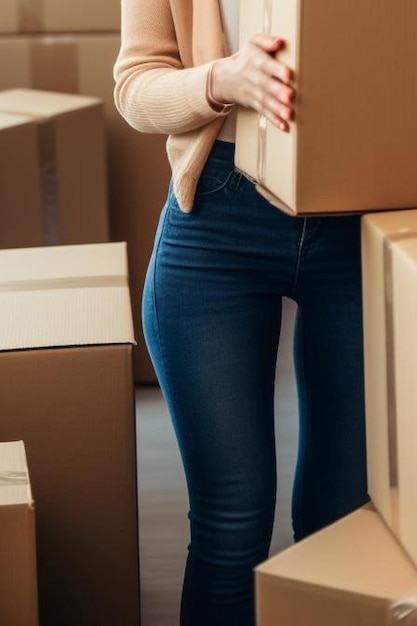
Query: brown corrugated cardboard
x,y
18,578
23,16
352,572
353,145
20,204
71,160
67,391
389,261
138,169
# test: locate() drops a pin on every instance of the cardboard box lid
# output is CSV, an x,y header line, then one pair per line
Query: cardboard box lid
x,y
357,554
14,475
38,103
407,250
9,120
64,296
391,222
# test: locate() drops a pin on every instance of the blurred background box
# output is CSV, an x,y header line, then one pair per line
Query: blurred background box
x,y
389,261
21,16
67,148
138,169
18,578
353,145
20,204
352,572
67,390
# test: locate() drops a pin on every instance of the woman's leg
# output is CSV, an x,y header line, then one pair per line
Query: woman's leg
x,y
211,317
331,470
214,349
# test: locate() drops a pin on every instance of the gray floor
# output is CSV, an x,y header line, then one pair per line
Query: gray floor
x,y
162,495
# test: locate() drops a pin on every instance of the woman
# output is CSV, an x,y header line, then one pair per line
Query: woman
x,y
222,261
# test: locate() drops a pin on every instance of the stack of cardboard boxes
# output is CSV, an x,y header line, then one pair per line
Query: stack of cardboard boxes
x,y
363,569
73,176
353,148
66,331
66,338
71,48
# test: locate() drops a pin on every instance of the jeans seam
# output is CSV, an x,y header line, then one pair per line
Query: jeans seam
x,y
223,185
299,252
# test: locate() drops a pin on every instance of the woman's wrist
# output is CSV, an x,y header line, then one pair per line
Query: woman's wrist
x,y
215,102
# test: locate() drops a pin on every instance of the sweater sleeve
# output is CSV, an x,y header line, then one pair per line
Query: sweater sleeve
x,y
154,92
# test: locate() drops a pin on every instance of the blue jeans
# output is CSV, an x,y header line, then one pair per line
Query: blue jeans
x,y
212,313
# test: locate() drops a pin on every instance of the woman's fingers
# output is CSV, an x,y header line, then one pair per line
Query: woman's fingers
x,y
269,43
254,77
278,113
274,96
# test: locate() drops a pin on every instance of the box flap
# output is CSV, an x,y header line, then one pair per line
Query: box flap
x,y
39,103
64,295
358,554
392,222
8,120
14,475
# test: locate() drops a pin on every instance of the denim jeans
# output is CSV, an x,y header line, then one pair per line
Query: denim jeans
x,y
211,314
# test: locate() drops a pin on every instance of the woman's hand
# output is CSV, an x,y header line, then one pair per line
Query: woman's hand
x,y
254,78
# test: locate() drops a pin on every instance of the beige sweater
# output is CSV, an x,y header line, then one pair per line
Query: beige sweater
x,y
161,72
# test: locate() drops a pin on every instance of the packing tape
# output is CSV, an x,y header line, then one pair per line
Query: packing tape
x,y
389,242
30,16
404,611
262,120
13,477
72,282
45,129
49,183
54,67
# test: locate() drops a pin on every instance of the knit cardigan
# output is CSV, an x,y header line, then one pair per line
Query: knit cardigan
x,y
167,49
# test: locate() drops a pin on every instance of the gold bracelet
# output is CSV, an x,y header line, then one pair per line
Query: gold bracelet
x,y
219,107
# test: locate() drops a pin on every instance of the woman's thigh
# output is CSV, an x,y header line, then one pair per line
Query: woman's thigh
x,y
213,334
212,313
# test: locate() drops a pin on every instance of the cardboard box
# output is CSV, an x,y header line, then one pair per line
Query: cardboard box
x,y
67,390
18,578
352,572
389,260
58,15
66,145
353,145
138,169
20,204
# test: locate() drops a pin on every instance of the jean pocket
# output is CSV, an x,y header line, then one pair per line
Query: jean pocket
x,y
213,180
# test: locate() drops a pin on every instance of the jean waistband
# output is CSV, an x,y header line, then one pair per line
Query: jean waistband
x,y
223,150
